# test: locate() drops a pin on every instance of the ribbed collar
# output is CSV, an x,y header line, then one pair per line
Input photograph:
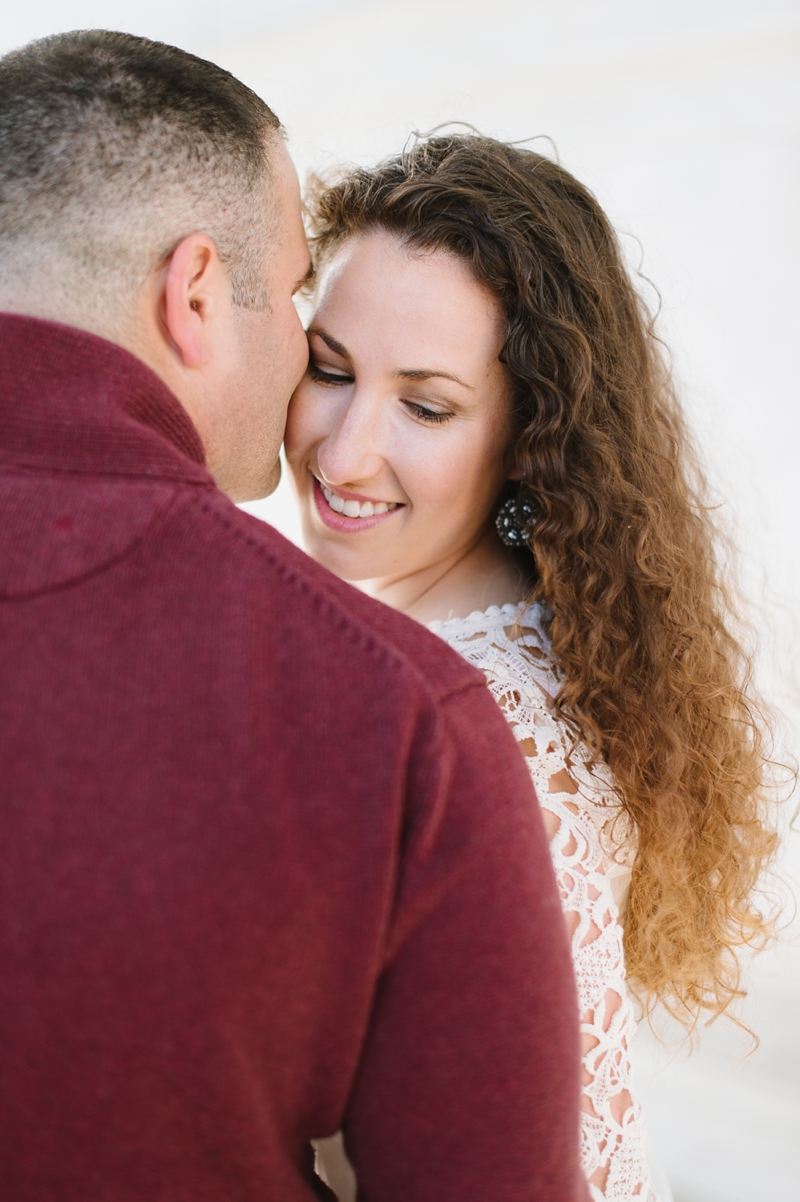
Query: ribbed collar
x,y
70,401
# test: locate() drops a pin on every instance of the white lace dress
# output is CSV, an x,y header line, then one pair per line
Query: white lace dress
x,y
512,649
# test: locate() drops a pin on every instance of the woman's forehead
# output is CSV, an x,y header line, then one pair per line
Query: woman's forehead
x,y
377,283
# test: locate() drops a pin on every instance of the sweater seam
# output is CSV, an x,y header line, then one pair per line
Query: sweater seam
x,y
371,640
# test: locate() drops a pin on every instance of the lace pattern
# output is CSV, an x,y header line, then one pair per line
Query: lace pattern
x,y
588,835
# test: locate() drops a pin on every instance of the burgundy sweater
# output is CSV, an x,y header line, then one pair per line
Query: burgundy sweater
x,y
270,863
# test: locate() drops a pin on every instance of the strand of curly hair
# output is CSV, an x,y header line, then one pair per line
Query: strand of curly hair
x,y
655,680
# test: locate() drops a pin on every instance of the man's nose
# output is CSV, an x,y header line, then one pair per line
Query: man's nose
x,y
354,449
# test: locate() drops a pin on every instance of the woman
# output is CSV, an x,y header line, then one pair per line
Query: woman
x,y
487,438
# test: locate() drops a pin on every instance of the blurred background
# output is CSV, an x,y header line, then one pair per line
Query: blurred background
x,y
684,119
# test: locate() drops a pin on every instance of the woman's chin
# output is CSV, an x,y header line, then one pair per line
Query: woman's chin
x,y
347,546
344,562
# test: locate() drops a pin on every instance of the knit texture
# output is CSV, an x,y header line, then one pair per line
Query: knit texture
x,y
271,863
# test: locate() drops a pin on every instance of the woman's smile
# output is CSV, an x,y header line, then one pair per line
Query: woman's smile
x,y
348,513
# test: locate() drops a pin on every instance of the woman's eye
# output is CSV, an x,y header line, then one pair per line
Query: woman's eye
x,y
328,377
427,415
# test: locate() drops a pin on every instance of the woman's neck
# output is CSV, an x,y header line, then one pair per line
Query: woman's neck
x,y
484,574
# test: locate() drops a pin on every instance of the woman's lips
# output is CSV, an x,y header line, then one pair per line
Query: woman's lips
x,y
340,521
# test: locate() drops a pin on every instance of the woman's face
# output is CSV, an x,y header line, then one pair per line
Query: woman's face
x,y
397,434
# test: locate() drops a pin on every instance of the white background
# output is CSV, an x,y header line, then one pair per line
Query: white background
x,y
684,118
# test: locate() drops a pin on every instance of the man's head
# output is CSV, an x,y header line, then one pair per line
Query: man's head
x,y
146,195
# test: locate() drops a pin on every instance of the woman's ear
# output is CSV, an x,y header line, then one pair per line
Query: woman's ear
x,y
193,283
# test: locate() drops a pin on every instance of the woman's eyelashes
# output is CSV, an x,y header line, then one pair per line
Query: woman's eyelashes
x,y
427,415
331,378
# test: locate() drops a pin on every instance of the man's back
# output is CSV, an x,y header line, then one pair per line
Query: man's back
x,y
269,862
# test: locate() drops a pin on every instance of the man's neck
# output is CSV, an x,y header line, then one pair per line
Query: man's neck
x,y
93,313
121,417
101,318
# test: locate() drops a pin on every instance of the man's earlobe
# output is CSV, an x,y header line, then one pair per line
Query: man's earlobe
x,y
189,289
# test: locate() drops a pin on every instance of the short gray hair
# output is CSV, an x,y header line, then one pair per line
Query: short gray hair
x,y
114,148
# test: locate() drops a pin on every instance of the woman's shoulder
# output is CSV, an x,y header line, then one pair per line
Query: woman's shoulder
x,y
512,647
512,638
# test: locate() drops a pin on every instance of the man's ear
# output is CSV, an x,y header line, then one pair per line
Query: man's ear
x,y
192,290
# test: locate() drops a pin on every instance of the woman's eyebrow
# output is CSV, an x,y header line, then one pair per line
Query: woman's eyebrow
x,y
431,373
332,343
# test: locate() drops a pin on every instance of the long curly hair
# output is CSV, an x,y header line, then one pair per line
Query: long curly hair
x,y
656,681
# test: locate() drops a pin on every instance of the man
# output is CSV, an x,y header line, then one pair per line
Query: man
x,y
271,864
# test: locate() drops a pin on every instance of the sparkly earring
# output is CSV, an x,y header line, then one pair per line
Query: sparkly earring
x,y
516,519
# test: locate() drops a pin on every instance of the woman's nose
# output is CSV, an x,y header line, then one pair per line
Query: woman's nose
x,y
353,450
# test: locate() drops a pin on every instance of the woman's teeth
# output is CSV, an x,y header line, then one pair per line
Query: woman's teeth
x,y
352,509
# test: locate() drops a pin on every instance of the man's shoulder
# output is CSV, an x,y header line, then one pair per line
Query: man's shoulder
x,y
299,586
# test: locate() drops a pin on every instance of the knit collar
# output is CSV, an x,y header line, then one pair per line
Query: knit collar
x,y
70,401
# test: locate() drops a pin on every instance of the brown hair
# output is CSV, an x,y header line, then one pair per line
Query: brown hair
x,y
655,680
